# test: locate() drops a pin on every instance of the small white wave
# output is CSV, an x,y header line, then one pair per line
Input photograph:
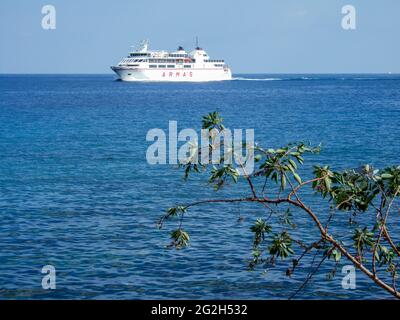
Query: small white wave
x,y
256,79
366,78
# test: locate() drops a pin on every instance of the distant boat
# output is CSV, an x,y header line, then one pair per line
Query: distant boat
x,y
145,65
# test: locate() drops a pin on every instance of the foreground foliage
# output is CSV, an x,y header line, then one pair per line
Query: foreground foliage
x,y
367,192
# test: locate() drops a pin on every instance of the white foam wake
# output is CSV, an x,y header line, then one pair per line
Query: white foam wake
x,y
255,79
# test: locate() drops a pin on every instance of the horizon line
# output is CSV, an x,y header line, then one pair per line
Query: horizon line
x,y
240,73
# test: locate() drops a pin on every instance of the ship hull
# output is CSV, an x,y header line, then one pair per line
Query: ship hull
x,y
173,75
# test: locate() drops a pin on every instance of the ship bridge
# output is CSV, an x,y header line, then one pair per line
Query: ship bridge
x,y
199,55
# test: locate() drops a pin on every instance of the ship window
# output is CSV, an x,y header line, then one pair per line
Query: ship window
x,y
139,54
153,66
171,66
187,66
161,65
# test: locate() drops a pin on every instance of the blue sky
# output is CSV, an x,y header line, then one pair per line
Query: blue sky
x,y
253,36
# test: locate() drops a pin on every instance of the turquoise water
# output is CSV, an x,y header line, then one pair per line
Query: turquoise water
x,y
76,191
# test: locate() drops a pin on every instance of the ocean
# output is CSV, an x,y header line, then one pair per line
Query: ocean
x,y
77,193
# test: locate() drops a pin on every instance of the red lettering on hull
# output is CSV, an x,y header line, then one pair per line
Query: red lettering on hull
x,y
177,74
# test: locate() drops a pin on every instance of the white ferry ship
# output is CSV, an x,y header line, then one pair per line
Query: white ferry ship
x,y
145,65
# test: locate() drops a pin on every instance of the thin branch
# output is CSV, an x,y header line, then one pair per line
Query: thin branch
x,y
382,231
310,275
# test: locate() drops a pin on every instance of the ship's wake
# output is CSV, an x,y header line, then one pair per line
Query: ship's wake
x,y
255,79
320,78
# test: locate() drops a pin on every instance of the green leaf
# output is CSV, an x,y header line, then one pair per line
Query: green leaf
x,y
327,181
294,165
257,157
281,245
297,177
180,238
283,181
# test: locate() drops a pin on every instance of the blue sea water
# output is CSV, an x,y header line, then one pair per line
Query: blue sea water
x,y
77,193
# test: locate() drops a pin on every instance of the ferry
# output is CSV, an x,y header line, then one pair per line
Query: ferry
x,y
146,65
